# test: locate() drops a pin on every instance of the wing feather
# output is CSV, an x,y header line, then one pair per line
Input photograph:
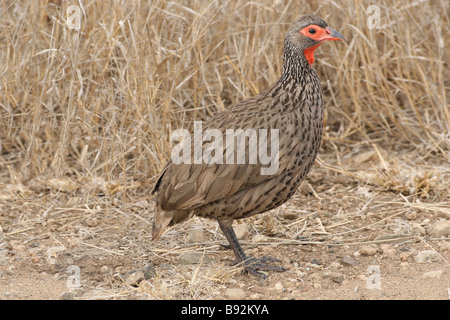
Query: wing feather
x,y
189,186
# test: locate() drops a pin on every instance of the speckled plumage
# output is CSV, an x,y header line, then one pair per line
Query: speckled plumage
x,y
225,192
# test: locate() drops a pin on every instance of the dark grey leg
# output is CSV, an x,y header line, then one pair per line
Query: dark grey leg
x,y
251,264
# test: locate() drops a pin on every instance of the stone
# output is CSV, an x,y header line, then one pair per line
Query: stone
x,y
133,278
444,246
241,230
367,251
349,261
279,286
335,277
196,235
317,285
188,258
411,215
235,294
404,256
417,230
259,238
68,295
255,296
427,256
432,274
388,249
335,265
366,192
149,271
440,229
92,222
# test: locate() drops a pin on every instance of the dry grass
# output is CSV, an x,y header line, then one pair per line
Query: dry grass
x,y
102,102
86,117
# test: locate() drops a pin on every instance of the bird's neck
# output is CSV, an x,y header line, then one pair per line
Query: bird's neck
x,y
296,66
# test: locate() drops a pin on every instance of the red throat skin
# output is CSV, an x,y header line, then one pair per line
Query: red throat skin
x,y
309,53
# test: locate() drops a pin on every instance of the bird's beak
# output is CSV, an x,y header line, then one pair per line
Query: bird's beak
x,y
332,35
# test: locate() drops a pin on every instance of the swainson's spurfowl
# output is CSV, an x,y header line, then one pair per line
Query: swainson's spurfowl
x,y
229,190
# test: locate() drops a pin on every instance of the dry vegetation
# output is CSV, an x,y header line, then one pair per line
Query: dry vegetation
x,y
86,118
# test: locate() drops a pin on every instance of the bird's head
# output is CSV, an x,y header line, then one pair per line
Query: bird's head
x,y
309,32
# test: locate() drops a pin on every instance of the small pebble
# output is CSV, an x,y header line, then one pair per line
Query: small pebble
x,y
335,277
444,246
255,296
133,278
235,294
388,249
196,235
335,265
93,222
259,238
404,256
286,262
349,261
279,286
417,230
404,265
68,296
427,256
411,215
433,274
440,229
149,272
241,230
367,251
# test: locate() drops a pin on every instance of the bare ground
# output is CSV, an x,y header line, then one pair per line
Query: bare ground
x,y
339,238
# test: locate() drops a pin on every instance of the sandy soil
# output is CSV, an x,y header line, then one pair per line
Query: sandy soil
x,y
338,239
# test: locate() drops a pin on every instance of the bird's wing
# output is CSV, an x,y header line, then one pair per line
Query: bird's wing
x,y
187,186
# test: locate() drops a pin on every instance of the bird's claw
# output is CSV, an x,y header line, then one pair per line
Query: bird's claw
x,y
254,265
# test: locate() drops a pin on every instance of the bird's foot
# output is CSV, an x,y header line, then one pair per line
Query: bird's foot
x,y
254,265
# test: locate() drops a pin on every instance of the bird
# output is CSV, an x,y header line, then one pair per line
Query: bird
x,y
230,190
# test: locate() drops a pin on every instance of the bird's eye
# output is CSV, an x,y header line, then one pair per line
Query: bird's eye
x,y
312,30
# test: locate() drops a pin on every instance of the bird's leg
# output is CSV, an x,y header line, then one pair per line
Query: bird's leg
x,y
251,264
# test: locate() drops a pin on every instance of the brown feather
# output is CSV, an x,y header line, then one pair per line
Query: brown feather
x,y
293,105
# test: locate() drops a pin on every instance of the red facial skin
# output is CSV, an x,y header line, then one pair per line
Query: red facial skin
x,y
320,35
